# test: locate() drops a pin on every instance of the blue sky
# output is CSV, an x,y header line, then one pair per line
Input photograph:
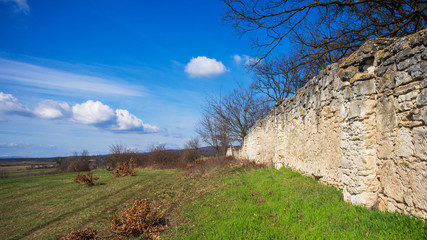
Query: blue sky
x,y
78,75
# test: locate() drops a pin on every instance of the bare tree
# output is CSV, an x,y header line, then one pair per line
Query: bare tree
x,y
276,79
213,132
320,32
228,119
119,153
191,151
349,22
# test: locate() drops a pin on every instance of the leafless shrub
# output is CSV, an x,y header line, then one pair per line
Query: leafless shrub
x,y
138,219
125,169
86,180
87,234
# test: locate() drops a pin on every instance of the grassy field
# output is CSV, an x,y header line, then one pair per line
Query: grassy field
x,y
230,203
23,168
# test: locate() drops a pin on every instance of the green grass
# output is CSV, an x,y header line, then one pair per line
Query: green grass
x,y
47,207
230,203
281,204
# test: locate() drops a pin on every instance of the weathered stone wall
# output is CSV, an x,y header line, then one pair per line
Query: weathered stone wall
x,y
359,125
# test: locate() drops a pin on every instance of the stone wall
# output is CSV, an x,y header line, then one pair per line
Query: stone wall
x,y
359,125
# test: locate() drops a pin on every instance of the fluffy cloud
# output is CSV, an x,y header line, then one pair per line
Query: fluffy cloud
x,y
20,5
129,122
10,105
91,112
204,67
50,109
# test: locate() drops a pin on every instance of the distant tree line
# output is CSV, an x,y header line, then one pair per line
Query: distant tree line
x,y
157,158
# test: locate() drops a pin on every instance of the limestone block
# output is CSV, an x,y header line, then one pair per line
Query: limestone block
x,y
420,142
418,180
386,114
363,88
408,62
368,199
386,82
402,78
362,76
422,98
418,71
404,146
361,108
404,89
347,73
390,182
408,97
405,106
408,199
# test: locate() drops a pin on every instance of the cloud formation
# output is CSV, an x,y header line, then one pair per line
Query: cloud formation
x,y
20,5
90,113
57,80
50,109
10,105
204,67
129,122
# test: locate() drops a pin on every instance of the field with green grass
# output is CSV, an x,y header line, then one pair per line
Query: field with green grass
x,y
228,203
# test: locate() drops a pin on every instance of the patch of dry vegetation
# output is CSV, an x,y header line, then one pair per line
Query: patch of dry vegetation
x,y
87,234
138,219
86,180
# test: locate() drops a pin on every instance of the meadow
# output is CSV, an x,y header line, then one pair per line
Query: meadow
x,y
241,201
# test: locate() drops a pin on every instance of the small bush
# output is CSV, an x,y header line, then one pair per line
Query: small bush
x,y
86,180
138,219
87,234
125,169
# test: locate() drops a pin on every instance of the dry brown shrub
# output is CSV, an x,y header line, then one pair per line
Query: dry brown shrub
x,y
86,180
138,219
125,169
87,234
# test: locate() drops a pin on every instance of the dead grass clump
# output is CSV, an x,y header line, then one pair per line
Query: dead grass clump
x,y
86,180
138,219
253,164
125,169
87,234
203,164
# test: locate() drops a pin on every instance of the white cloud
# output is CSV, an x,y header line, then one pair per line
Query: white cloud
x,y
204,67
47,78
91,112
51,109
10,105
247,59
20,5
237,59
127,121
